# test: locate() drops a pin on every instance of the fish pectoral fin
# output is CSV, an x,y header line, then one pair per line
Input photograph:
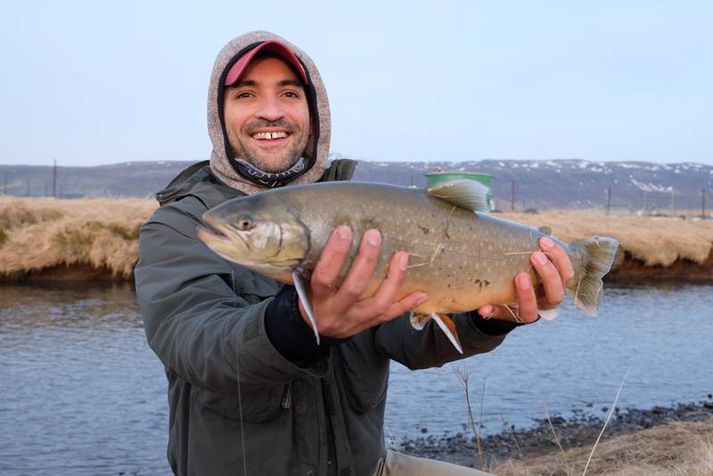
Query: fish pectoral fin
x,y
302,294
449,329
462,193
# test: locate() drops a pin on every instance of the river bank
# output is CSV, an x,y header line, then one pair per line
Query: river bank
x,y
46,239
650,439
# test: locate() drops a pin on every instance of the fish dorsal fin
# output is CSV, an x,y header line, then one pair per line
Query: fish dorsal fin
x,y
467,194
546,230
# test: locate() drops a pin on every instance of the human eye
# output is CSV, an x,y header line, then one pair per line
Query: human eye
x,y
243,94
292,94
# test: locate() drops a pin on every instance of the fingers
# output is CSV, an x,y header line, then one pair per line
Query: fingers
x,y
326,271
389,287
383,304
549,276
553,268
558,257
526,299
524,312
404,305
362,268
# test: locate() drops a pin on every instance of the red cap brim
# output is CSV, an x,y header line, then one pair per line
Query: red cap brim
x,y
271,46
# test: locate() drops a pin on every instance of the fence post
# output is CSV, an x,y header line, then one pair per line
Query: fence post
x,y
703,204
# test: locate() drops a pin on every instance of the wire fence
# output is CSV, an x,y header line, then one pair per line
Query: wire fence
x,y
671,203
666,201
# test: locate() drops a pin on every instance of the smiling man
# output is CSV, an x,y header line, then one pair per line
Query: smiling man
x,y
249,389
266,115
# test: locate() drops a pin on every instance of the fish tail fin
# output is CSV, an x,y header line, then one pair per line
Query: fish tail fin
x,y
598,253
444,322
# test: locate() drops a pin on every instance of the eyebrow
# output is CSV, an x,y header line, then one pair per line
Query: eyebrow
x,y
284,82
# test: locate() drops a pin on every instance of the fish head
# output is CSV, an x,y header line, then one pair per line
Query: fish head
x,y
266,237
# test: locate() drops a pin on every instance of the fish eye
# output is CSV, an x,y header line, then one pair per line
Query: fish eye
x,y
244,223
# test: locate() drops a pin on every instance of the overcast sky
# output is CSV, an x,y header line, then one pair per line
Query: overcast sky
x,y
99,82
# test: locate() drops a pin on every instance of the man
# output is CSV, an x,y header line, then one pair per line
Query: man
x,y
250,391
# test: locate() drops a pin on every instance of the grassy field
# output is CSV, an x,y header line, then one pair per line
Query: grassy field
x,y
653,240
674,449
37,234
44,233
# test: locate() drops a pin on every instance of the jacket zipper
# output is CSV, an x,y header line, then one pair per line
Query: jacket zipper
x,y
287,397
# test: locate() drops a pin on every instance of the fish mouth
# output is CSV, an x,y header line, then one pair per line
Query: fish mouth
x,y
211,232
222,235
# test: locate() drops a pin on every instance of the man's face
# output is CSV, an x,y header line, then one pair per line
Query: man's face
x,y
266,116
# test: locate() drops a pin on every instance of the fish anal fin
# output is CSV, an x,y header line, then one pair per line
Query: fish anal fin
x,y
462,193
549,314
449,329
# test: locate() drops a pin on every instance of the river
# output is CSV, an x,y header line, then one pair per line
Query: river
x,y
81,392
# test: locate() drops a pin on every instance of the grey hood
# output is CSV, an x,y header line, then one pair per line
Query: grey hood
x,y
317,149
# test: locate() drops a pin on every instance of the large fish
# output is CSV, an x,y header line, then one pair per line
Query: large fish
x,y
461,257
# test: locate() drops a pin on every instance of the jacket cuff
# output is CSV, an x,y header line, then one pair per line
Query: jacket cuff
x,y
289,333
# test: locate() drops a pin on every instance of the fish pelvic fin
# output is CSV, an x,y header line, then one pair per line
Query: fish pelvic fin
x,y
418,320
587,285
444,322
302,295
467,194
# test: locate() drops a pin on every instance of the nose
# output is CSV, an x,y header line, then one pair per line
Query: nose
x,y
270,109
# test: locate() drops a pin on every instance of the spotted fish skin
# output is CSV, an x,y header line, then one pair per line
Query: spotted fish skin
x,y
462,258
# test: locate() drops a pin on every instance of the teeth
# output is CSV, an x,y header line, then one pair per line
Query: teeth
x,y
270,135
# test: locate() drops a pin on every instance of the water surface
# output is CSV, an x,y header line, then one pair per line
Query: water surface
x,y
82,393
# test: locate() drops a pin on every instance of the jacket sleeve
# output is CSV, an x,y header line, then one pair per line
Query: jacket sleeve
x,y
430,347
198,325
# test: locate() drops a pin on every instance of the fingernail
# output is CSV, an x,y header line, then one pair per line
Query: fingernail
x,y
343,232
485,311
403,261
423,297
373,237
546,243
539,257
523,281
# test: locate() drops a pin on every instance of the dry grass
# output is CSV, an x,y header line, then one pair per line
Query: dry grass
x,y
37,234
673,449
655,241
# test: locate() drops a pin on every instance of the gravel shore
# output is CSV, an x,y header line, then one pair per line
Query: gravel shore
x,y
581,430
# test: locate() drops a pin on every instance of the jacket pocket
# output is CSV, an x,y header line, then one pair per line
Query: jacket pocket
x,y
254,406
365,375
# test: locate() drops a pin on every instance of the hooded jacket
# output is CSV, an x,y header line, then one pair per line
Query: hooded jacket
x,y
317,149
236,404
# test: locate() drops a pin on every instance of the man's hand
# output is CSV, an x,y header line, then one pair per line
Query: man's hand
x,y
553,268
340,311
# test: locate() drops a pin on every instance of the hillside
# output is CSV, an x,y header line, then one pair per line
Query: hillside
x,y
551,184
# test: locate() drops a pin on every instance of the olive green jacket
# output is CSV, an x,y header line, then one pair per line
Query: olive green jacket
x,y
235,402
